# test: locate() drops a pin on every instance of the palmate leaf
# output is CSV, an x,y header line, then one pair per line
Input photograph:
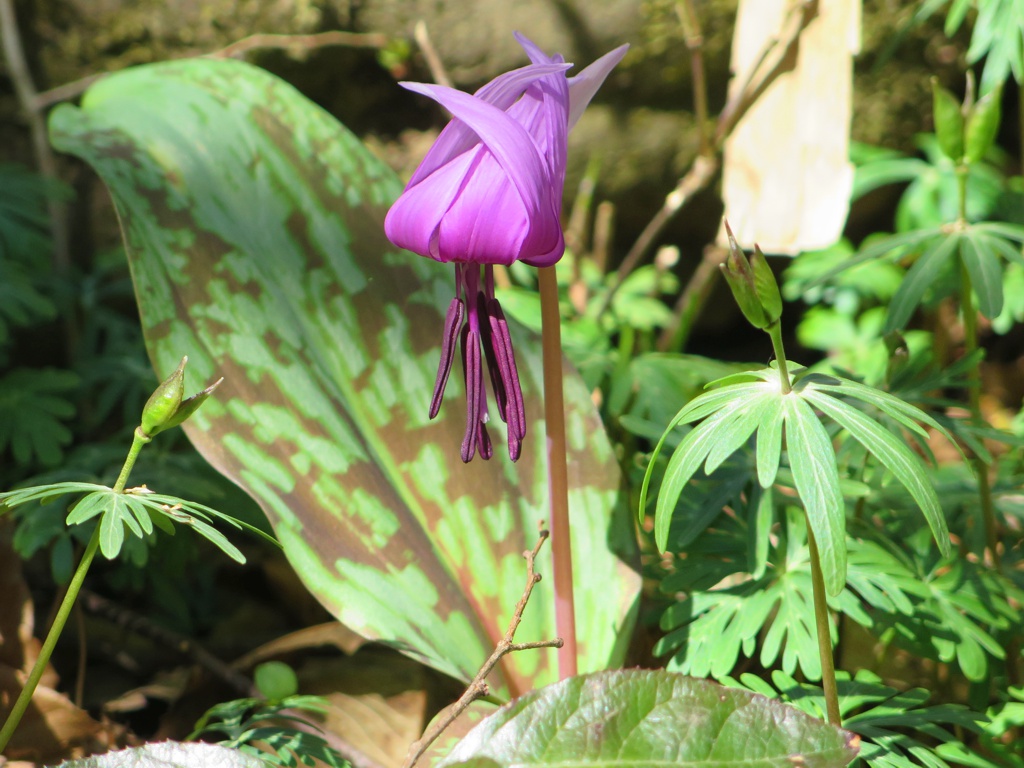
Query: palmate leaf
x,y
985,271
253,225
918,279
898,728
33,412
729,610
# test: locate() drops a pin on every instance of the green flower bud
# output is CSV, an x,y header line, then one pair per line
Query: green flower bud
x,y
752,284
766,286
982,125
164,402
165,407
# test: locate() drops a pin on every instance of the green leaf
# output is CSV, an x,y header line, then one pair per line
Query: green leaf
x,y
769,443
743,421
889,449
890,247
813,462
34,407
949,122
895,725
985,272
919,278
253,224
645,719
685,461
169,754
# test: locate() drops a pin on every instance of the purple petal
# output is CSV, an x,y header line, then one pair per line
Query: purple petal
x,y
537,56
501,92
452,325
583,86
412,222
543,111
509,143
487,223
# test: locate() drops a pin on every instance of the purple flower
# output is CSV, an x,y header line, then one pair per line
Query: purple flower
x,y
490,192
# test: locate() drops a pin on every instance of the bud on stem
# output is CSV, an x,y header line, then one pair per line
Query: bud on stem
x,y
165,407
752,284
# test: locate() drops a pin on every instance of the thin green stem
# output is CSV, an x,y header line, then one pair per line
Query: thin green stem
x,y
775,332
828,670
67,604
558,475
980,466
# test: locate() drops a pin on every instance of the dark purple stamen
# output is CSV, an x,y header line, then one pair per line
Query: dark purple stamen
x,y
506,358
452,325
474,391
494,368
476,319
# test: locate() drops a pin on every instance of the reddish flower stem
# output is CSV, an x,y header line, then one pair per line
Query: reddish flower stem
x,y
558,484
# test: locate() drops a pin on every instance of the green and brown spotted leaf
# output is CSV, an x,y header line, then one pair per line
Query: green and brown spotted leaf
x,y
253,225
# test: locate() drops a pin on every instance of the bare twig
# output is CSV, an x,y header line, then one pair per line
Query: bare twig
x,y
692,299
21,77
294,44
778,57
478,687
694,40
134,622
422,38
297,44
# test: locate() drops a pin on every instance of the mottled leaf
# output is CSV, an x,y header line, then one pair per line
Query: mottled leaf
x,y
253,224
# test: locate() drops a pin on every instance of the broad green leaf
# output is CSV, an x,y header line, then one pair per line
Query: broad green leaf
x,y
813,462
985,272
170,754
919,277
889,449
644,719
253,225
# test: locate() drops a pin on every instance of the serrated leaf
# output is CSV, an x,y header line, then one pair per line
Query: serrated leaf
x,y
253,223
889,449
813,462
621,718
985,272
918,279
